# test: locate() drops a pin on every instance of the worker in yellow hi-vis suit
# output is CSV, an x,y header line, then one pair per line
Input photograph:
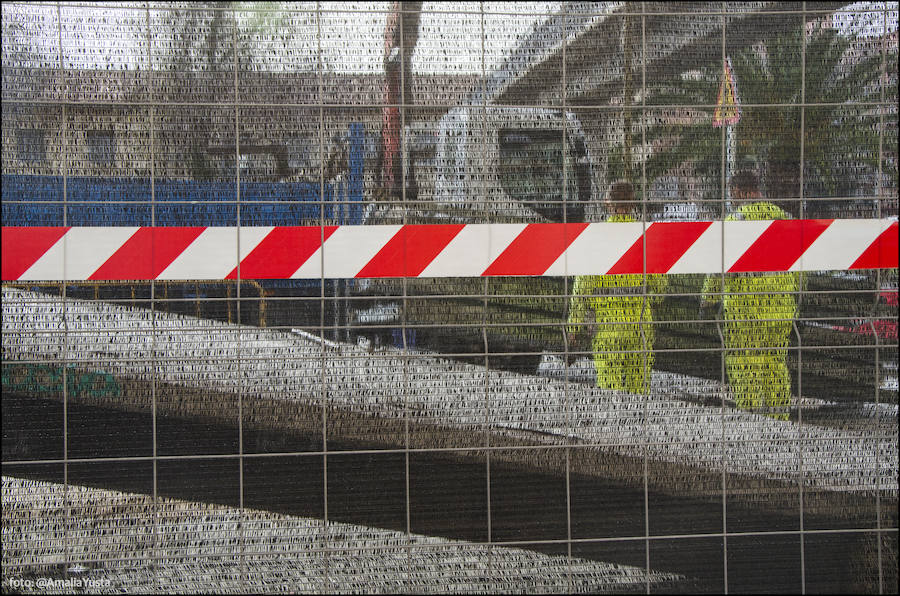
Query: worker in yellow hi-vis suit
x,y
759,311
616,310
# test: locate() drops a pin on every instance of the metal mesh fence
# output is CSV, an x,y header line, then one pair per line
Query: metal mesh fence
x,y
244,348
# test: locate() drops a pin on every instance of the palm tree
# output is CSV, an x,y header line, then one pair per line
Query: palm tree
x,y
841,141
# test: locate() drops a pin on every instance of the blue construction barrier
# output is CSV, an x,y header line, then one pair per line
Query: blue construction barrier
x,y
30,200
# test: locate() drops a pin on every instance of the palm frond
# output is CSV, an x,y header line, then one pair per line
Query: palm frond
x,y
839,140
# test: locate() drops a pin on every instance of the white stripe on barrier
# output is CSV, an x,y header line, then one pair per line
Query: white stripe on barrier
x,y
347,251
704,255
465,253
597,249
79,253
204,258
839,245
51,265
737,237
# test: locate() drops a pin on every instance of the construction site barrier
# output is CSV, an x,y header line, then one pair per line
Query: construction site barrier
x,y
311,252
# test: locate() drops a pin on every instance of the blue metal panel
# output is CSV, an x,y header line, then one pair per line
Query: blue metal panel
x,y
122,201
32,188
196,214
24,214
83,188
111,214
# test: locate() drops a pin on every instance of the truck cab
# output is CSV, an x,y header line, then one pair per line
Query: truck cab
x,y
505,163
494,165
488,165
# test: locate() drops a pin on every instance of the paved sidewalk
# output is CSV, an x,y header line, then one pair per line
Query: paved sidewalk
x,y
128,542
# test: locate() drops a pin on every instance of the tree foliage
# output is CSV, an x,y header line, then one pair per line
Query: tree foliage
x,y
826,112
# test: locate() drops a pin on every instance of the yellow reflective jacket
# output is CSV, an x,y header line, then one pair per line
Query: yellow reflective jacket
x,y
613,298
758,307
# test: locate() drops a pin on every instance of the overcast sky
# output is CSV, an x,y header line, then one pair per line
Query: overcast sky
x,y
453,35
352,40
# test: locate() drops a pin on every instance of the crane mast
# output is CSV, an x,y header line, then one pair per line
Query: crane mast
x,y
400,37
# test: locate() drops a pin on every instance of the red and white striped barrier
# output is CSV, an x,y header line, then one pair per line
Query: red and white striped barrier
x,y
169,253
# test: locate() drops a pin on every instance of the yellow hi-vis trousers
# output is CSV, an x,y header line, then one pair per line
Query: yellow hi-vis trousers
x,y
619,315
623,351
756,361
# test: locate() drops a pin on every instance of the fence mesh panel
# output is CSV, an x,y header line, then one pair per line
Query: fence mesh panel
x,y
404,297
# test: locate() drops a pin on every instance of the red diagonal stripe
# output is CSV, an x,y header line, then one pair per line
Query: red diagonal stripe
x,y
666,243
535,249
147,253
881,254
633,259
282,252
780,245
410,250
23,246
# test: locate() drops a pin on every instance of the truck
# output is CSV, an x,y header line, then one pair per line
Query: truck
x,y
486,164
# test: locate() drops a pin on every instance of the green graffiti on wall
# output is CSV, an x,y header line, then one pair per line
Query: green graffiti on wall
x,y
46,379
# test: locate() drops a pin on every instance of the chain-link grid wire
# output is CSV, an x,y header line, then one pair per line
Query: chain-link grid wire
x,y
446,434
